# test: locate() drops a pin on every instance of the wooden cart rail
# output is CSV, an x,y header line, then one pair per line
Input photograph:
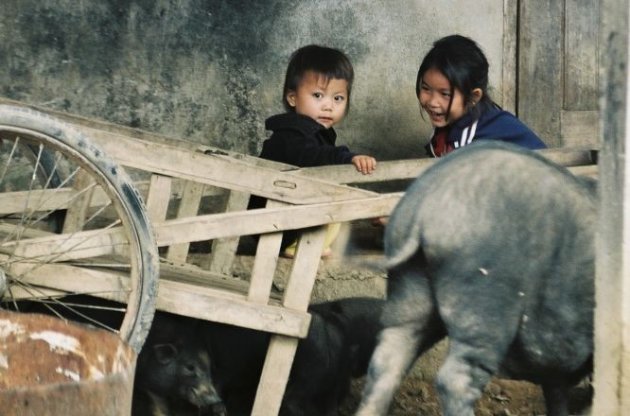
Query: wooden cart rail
x,y
179,173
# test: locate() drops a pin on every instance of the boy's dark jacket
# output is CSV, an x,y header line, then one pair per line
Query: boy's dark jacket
x,y
301,141
493,124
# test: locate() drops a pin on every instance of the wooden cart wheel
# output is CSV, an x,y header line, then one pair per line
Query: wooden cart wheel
x,y
75,240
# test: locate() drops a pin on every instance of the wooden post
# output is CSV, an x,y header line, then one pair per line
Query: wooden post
x,y
612,286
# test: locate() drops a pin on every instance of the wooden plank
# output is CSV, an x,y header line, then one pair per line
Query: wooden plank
x,y
107,284
281,350
222,171
220,306
158,197
188,207
47,200
36,200
197,301
223,250
65,247
612,280
11,202
265,263
268,220
77,211
191,274
100,242
590,170
411,168
273,380
574,156
302,278
208,227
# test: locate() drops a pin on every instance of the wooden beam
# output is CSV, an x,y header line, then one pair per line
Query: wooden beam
x,y
612,283
270,220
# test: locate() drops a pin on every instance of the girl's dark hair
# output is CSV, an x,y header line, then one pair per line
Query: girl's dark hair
x,y
328,62
465,66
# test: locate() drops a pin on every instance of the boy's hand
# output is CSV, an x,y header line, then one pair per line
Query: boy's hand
x,y
364,164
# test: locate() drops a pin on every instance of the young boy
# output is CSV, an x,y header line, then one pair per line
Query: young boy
x,y
316,96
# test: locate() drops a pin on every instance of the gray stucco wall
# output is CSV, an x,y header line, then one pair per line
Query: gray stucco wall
x,y
211,71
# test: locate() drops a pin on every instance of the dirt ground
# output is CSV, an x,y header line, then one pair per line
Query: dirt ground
x,y
501,398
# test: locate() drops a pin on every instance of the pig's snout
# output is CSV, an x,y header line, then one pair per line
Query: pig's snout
x,y
204,395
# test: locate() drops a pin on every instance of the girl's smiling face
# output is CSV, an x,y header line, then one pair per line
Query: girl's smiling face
x,y
436,97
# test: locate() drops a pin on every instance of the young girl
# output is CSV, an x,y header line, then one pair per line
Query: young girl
x,y
316,97
452,87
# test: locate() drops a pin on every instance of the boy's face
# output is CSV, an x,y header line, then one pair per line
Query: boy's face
x,y
435,96
325,101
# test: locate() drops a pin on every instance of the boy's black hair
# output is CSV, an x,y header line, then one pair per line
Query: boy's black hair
x,y
328,62
465,66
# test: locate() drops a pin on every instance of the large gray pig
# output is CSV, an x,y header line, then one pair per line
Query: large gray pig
x,y
493,246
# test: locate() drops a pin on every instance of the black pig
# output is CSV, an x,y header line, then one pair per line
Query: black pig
x,y
360,321
340,340
173,372
493,246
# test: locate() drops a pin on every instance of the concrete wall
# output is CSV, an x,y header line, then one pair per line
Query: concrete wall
x,y
211,71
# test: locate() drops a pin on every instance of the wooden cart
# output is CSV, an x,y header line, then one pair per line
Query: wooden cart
x,y
97,221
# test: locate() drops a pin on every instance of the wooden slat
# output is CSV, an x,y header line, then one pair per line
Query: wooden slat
x,y
297,294
588,170
273,380
65,247
188,207
612,272
76,214
108,284
223,251
220,306
411,168
36,200
281,349
265,264
11,202
47,200
222,171
198,301
260,221
191,274
158,197
100,242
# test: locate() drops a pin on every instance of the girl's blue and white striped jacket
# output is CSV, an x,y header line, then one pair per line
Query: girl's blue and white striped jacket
x,y
494,124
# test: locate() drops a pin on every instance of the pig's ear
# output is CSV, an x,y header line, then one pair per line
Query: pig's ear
x,y
165,353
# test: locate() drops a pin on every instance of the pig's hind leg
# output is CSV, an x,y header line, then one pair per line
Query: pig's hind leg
x,y
482,321
410,326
